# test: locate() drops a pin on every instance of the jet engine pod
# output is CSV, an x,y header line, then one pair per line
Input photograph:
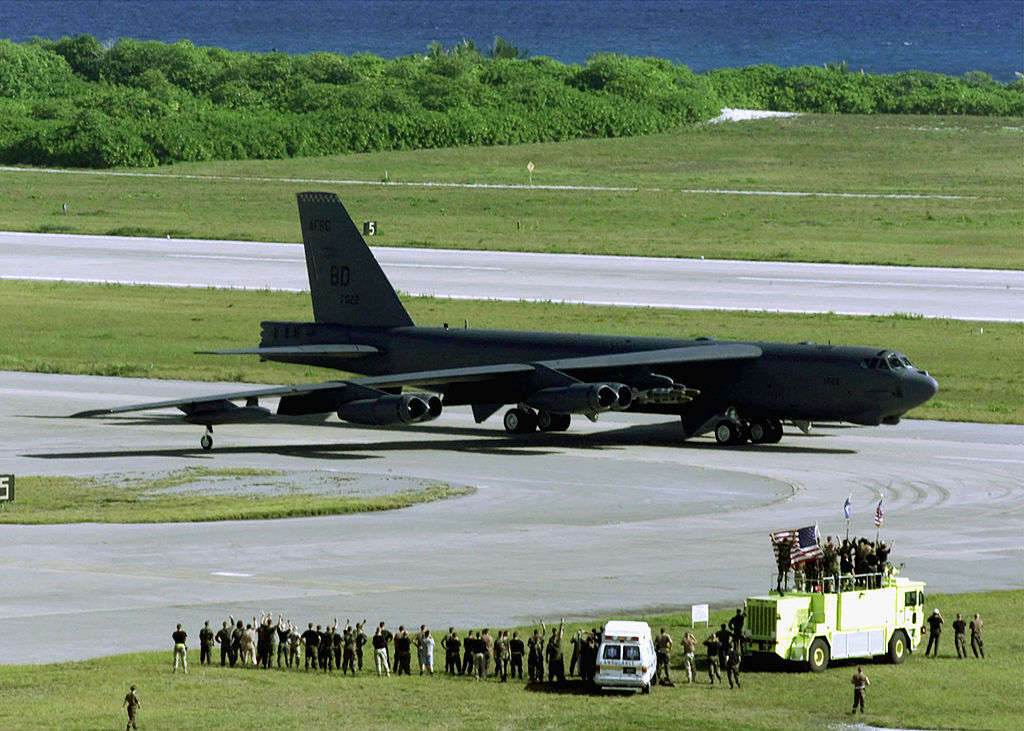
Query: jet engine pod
x,y
581,398
406,408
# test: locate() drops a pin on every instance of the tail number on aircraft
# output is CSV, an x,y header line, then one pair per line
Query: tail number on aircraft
x,y
320,224
339,276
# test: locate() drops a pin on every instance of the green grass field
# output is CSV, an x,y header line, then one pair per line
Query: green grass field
x,y
154,332
874,155
920,693
203,494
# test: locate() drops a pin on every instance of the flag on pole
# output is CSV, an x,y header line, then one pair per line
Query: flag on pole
x,y
846,508
879,515
803,544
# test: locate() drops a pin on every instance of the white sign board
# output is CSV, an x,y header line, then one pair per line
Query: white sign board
x,y
699,613
6,488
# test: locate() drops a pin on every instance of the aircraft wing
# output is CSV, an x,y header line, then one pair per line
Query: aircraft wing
x,y
193,403
322,393
712,352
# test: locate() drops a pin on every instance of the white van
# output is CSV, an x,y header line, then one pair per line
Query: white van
x,y
626,657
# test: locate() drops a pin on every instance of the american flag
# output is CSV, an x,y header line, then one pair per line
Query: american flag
x,y
803,544
879,515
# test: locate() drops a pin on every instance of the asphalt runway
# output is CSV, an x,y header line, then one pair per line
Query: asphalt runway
x,y
612,519
965,294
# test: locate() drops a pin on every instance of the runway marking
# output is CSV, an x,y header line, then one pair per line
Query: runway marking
x,y
271,259
496,186
982,459
877,283
524,298
229,573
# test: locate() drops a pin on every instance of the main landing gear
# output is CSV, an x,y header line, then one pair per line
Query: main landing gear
x,y
207,440
731,432
523,420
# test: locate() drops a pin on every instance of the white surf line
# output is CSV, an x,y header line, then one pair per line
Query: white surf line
x,y
496,186
233,574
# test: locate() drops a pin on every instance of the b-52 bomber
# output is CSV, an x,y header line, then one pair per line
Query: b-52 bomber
x,y
739,391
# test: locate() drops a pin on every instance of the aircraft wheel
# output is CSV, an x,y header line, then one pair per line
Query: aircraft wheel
x,y
758,431
817,658
206,442
774,431
520,421
546,421
897,647
728,432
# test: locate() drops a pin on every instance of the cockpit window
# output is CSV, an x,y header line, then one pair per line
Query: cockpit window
x,y
895,362
906,361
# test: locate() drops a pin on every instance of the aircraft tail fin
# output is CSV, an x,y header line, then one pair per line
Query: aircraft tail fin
x,y
346,282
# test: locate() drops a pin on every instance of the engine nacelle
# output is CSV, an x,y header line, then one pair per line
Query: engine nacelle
x,y
406,408
582,398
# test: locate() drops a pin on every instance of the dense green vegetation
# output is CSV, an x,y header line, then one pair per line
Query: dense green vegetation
x,y
196,494
76,102
153,332
920,693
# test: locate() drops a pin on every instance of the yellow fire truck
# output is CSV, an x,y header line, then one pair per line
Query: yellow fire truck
x,y
855,616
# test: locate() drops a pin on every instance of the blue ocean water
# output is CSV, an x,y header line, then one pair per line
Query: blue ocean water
x,y
883,36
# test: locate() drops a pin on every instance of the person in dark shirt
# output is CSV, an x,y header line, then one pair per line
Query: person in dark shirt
x,y
736,627
960,636
380,650
132,704
283,630
403,651
452,646
516,649
205,643
180,651
934,633
311,641
223,638
361,639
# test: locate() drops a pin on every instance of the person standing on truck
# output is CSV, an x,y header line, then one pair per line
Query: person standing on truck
x,y
860,683
781,583
976,644
714,647
736,626
959,632
934,633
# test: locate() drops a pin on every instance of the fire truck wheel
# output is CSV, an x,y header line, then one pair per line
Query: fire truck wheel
x,y
897,647
817,657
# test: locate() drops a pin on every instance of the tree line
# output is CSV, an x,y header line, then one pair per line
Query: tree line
x,y
78,102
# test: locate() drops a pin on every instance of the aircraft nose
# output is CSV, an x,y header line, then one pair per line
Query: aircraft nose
x,y
918,388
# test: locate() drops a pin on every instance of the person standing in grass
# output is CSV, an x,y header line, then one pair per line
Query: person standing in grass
x,y
976,644
860,683
535,646
714,648
556,661
223,638
132,705
425,649
934,633
516,649
205,643
664,654
689,650
180,651
380,651
959,636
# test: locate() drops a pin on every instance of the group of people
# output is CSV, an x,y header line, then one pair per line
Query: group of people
x,y
724,650
844,564
934,630
266,642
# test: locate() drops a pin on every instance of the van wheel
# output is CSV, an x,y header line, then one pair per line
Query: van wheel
x,y
817,658
897,647
646,690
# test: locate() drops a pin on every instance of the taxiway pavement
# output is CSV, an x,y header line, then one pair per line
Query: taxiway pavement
x,y
965,294
610,519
